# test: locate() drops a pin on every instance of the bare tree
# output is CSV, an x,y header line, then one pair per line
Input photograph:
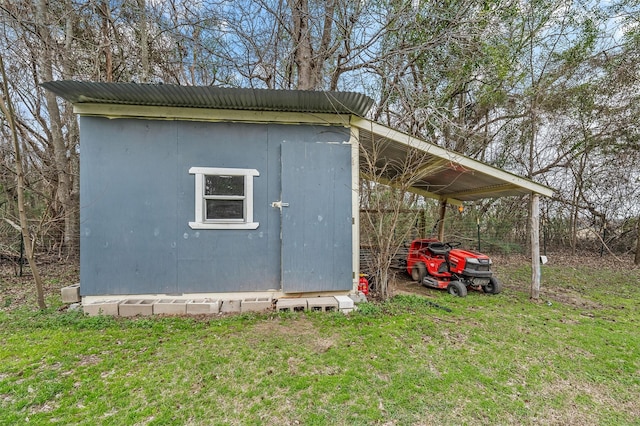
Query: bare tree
x,y
7,110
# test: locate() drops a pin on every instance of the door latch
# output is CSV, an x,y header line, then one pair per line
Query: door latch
x,y
279,204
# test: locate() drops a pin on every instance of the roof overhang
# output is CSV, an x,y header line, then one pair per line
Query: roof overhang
x,y
211,97
434,172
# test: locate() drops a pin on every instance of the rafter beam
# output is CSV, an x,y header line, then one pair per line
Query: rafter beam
x,y
430,169
485,190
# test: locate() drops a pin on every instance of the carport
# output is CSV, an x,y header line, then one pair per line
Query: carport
x,y
444,175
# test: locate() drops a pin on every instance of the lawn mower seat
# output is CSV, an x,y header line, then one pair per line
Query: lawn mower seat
x,y
439,249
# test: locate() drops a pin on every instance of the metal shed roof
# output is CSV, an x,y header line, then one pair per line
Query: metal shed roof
x,y
211,97
441,173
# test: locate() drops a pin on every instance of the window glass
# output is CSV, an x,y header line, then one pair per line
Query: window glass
x,y
224,185
225,209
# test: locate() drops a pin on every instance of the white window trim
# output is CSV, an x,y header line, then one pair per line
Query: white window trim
x,y
200,222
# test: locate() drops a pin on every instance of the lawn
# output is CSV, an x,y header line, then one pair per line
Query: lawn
x,y
417,359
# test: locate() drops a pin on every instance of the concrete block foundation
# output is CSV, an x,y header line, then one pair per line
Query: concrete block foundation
x,y
133,307
358,297
208,306
292,305
323,304
344,302
203,306
108,307
170,307
230,306
259,304
71,294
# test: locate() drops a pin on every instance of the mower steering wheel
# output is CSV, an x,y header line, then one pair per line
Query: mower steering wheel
x,y
453,244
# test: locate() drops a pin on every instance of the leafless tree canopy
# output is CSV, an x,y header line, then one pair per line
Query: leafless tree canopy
x,y
547,90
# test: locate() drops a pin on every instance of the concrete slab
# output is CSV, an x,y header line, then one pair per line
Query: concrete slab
x,y
170,307
134,307
203,306
258,304
322,304
108,307
293,305
71,294
229,306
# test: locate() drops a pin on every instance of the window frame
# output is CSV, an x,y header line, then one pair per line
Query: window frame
x,y
200,221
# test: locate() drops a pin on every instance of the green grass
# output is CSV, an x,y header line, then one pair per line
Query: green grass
x,y
571,359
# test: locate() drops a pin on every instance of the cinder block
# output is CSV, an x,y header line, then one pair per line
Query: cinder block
x,y
71,294
230,306
133,307
293,305
259,304
358,297
107,307
203,306
170,307
344,302
322,304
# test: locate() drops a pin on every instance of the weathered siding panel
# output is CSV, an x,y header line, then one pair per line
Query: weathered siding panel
x,y
128,203
137,198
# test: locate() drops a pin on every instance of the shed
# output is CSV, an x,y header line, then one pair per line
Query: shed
x,y
206,191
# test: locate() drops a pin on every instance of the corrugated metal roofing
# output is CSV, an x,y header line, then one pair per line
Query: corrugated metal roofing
x,y
211,97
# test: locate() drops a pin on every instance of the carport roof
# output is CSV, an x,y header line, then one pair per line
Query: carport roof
x,y
436,172
441,173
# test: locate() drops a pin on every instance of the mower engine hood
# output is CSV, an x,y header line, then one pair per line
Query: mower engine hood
x,y
469,254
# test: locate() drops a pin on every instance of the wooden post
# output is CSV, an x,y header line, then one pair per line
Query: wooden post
x,y
355,205
535,246
443,211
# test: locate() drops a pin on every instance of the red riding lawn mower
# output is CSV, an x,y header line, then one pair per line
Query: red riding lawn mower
x,y
442,265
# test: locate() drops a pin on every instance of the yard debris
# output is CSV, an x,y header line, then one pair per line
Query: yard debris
x,y
437,306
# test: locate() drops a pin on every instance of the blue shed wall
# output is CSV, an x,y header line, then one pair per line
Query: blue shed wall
x,y
137,198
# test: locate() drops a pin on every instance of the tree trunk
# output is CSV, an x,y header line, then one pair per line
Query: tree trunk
x,y
144,41
442,212
7,110
60,160
106,41
636,260
303,55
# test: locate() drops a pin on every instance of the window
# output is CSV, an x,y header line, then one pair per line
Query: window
x,y
224,198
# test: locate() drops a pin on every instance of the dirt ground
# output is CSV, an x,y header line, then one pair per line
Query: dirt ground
x,y
16,290
401,282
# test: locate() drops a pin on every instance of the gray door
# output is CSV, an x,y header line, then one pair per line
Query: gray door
x,y
316,217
